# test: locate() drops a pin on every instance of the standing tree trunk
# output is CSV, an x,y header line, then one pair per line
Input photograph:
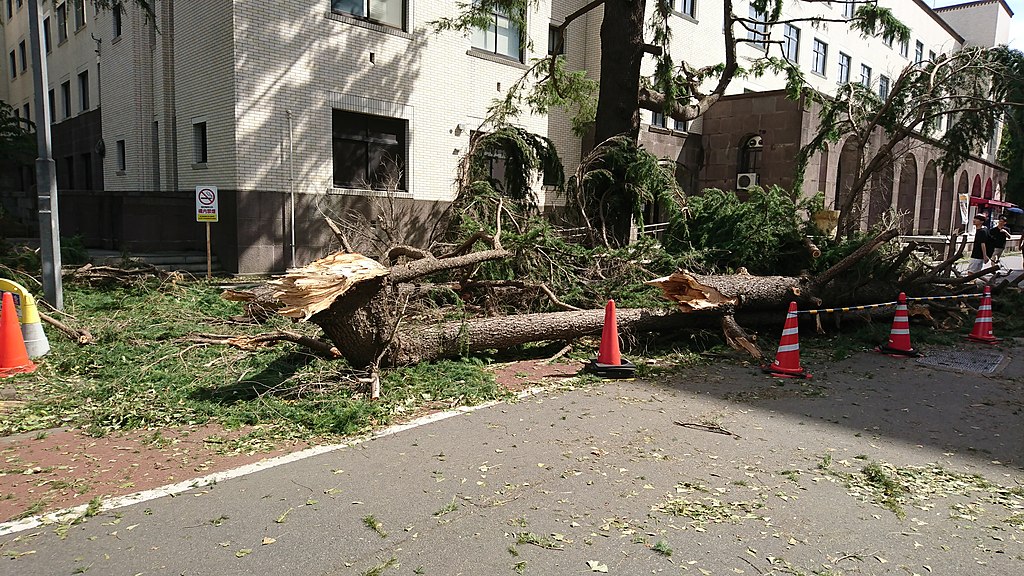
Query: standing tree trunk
x,y
622,42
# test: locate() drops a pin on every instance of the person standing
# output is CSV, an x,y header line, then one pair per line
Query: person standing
x,y
979,251
997,238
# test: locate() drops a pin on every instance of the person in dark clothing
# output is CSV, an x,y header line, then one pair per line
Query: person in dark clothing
x,y
979,252
997,238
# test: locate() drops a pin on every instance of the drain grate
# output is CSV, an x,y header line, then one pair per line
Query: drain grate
x,y
980,361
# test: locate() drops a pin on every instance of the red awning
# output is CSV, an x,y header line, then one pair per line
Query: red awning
x,y
976,201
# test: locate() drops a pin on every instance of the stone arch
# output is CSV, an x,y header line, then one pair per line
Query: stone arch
x,y
947,198
976,187
907,196
846,170
880,193
823,171
929,191
962,186
989,190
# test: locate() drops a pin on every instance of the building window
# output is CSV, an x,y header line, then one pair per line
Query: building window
x,y
904,48
388,12
46,35
844,68
883,86
658,119
23,56
51,100
820,57
757,29
918,52
750,157
65,94
69,167
887,40
10,10
865,75
14,65
688,7
502,37
26,112
83,91
931,55
556,40
791,43
369,151
87,171
122,156
199,143
849,9
79,14
117,21
62,22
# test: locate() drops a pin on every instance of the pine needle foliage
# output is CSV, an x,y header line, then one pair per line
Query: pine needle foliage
x,y
722,232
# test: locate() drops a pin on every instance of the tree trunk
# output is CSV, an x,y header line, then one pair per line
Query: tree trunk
x,y
622,39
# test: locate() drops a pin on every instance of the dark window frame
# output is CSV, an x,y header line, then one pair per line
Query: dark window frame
x,y
365,9
365,148
791,43
845,65
819,57
200,143
493,29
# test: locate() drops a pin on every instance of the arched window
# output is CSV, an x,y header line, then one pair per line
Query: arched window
x,y
750,155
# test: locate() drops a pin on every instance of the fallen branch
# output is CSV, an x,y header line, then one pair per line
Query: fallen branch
x,y
843,265
82,337
811,247
519,284
320,347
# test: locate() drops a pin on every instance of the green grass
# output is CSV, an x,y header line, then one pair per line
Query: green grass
x,y
371,522
143,372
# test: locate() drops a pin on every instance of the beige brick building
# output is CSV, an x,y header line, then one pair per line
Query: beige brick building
x,y
302,107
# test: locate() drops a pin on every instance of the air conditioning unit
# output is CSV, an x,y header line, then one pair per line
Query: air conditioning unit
x,y
746,181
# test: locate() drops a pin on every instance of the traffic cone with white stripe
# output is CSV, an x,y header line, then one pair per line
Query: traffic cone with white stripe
x,y
899,335
787,360
13,356
982,331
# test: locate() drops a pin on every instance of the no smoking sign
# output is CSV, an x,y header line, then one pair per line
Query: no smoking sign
x,y
206,204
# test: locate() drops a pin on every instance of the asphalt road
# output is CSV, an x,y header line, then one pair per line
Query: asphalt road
x,y
718,470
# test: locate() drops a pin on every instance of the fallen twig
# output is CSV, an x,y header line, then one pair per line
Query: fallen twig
x,y
82,336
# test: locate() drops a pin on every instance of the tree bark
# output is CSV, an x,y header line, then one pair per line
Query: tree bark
x,y
622,41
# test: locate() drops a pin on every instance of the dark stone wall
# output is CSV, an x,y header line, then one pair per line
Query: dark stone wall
x,y
778,120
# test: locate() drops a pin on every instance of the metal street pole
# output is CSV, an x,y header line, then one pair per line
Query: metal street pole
x,y
46,175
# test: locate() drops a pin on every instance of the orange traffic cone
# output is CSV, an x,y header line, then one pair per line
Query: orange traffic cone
x,y
609,363
13,356
787,360
982,331
899,335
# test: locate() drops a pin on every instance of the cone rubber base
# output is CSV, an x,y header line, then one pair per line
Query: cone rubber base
x,y
779,373
625,370
896,352
983,340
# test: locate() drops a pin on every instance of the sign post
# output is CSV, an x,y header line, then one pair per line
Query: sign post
x,y
206,211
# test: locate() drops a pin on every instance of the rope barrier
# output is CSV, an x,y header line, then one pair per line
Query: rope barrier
x,y
885,304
